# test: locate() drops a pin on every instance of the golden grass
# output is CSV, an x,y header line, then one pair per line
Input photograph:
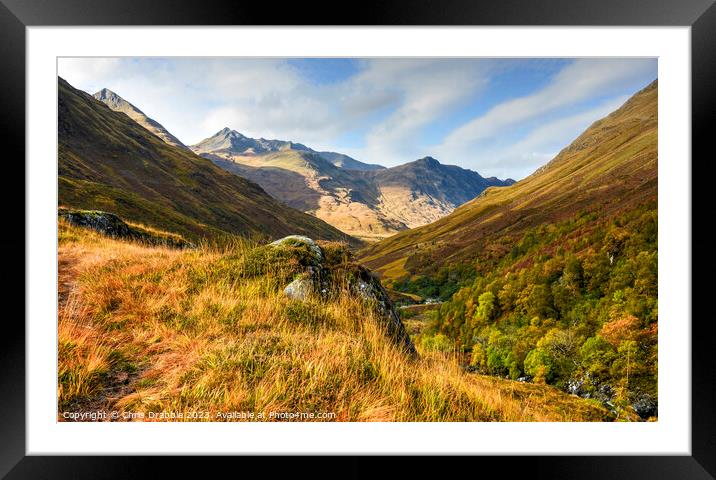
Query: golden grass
x,y
151,331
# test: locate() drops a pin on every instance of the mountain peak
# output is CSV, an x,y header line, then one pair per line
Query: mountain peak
x,y
580,178
119,104
228,133
105,93
112,99
429,161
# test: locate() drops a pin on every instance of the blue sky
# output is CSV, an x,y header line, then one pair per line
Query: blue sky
x,y
503,117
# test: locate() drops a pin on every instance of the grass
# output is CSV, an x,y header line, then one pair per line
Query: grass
x,y
150,330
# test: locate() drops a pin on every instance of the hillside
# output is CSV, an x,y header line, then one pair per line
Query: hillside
x,y
367,203
108,162
609,168
153,332
118,104
553,280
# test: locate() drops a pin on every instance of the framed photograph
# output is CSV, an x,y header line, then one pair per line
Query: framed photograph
x,y
422,232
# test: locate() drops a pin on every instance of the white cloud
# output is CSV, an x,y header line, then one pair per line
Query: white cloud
x,y
577,82
541,144
385,108
429,90
86,71
418,91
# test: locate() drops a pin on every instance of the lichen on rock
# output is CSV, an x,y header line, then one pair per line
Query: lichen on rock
x,y
300,240
103,222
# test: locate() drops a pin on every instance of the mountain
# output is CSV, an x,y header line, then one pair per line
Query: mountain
x,y
425,190
609,169
109,162
227,143
367,203
118,104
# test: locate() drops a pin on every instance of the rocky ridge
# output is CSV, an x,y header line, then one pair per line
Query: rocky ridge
x,y
118,104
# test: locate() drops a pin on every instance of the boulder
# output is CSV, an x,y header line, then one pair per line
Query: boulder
x,y
314,278
317,280
368,287
111,225
103,222
645,406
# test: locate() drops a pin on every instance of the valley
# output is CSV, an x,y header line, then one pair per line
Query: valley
x,y
261,275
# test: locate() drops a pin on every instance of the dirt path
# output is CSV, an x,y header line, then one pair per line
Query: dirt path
x,y
66,274
117,383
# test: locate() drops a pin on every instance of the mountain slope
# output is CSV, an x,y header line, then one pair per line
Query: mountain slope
x,y
109,162
367,203
609,168
118,104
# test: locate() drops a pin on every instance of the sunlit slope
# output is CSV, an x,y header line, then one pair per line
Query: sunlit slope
x,y
611,167
108,162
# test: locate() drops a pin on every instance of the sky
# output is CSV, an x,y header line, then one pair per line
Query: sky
x,y
501,117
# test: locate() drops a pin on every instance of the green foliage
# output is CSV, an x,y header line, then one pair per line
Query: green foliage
x,y
436,343
441,285
486,307
572,301
538,365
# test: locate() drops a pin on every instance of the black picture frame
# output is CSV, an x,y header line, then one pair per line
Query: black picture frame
x,y
16,15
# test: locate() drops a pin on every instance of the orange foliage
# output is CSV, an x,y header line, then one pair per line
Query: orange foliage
x,y
624,327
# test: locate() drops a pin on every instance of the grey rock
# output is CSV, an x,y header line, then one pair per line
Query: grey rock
x,y
111,225
300,288
103,222
645,406
369,288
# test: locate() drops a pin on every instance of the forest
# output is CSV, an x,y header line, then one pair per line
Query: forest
x,y
572,304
